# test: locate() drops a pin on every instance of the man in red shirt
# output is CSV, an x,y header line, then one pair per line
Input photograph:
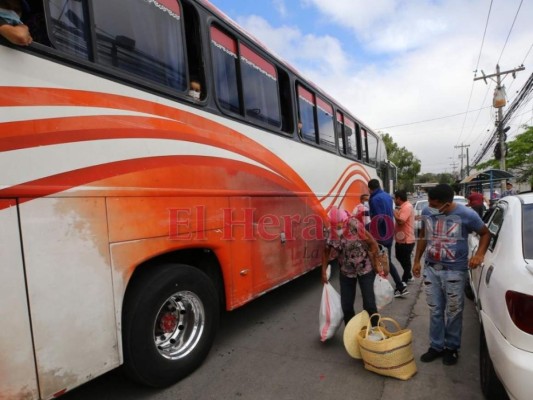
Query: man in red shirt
x,y
475,201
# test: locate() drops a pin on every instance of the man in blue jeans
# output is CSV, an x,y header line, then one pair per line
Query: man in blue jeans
x,y
382,228
444,238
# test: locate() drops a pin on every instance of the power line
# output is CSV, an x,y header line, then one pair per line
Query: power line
x,y
483,40
475,73
510,30
429,120
527,54
524,95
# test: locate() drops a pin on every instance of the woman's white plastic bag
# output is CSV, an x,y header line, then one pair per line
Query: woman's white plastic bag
x,y
383,292
330,315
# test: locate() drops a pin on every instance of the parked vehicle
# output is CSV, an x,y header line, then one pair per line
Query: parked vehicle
x,y
421,204
503,291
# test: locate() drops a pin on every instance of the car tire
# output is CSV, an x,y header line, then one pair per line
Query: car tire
x,y
170,318
491,386
469,293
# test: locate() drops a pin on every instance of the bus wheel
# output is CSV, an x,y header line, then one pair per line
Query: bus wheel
x,y
170,319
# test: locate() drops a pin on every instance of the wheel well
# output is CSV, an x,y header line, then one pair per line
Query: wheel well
x,y
202,258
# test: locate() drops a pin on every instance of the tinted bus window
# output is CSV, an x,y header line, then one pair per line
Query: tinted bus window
x,y
306,108
69,27
351,138
224,50
364,148
145,40
326,128
372,149
340,132
260,88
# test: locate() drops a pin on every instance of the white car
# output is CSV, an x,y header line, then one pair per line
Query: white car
x,y
421,204
503,291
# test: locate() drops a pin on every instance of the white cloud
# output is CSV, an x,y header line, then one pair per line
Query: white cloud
x,y
431,50
280,7
309,53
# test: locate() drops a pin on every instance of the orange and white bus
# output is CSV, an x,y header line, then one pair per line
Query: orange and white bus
x,y
133,209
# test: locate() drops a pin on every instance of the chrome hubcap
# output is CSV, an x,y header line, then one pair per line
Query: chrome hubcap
x,y
179,325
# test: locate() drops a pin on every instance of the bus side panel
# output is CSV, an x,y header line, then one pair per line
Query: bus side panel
x,y
277,245
70,290
17,365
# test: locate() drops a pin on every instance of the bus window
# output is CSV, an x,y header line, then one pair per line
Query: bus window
x,y
69,27
326,129
260,88
364,145
306,109
193,42
287,120
372,149
224,50
145,40
339,128
351,138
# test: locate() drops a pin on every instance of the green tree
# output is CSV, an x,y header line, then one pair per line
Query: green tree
x,y
406,162
519,159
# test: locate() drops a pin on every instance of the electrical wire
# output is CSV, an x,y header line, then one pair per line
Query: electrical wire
x,y
510,30
429,120
475,73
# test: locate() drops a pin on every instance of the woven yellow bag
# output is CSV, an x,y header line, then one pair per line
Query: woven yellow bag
x,y
385,352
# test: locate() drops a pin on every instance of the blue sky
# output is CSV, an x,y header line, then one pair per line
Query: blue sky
x,y
395,63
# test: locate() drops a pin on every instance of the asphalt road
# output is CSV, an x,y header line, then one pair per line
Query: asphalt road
x,y
270,349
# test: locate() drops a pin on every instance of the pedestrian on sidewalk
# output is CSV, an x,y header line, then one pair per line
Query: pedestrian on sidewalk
x,y
475,201
382,228
404,233
362,211
510,191
444,239
356,254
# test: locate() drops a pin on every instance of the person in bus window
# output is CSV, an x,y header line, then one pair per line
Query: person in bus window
x,y
195,89
11,26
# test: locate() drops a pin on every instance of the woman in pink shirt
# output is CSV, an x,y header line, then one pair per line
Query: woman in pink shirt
x,y
404,233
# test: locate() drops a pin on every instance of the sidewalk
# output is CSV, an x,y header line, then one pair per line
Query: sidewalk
x,y
435,380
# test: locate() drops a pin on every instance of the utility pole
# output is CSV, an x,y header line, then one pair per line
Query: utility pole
x,y
463,146
499,90
454,165
467,163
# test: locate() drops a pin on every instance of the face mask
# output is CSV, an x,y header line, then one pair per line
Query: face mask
x,y
434,211
437,211
194,94
339,232
365,203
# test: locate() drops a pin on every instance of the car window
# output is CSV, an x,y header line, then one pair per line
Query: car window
x,y
494,225
421,205
527,230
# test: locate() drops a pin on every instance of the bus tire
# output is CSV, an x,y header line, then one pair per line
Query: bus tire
x,y
170,318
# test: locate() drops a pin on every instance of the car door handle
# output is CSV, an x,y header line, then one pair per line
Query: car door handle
x,y
489,274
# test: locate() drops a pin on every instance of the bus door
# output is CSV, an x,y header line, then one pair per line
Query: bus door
x,y
70,291
17,364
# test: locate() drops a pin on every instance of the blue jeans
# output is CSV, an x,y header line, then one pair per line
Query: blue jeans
x,y
445,297
348,287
